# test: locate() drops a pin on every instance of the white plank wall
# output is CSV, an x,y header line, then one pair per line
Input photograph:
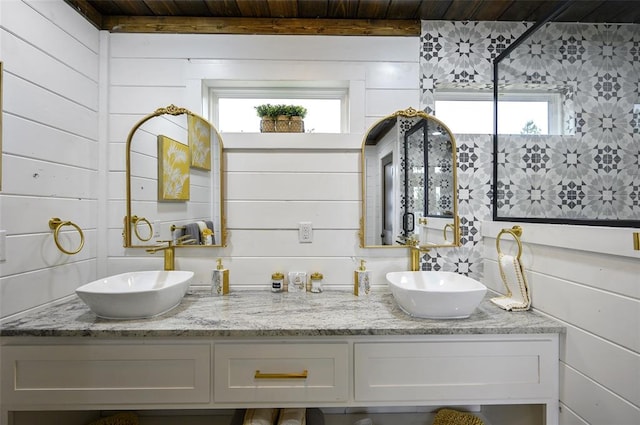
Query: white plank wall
x,y
71,94
50,150
588,278
272,182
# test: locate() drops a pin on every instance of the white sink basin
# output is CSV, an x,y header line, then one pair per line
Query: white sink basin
x,y
136,295
436,295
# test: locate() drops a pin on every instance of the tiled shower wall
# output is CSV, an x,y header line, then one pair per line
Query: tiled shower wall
x,y
591,174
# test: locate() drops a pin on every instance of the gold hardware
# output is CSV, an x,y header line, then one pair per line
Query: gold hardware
x,y
636,241
185,240
302,375
176,111
362,266
362,231
169,254
56,224
444,231
135,220
516,232
415,256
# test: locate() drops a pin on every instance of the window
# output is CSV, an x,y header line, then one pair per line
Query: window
x,y
233,107
519,113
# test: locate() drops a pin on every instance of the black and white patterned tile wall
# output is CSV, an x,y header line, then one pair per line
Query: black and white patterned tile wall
x,y
423,134
590,171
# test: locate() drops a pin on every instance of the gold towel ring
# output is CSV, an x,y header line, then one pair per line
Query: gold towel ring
x,y
135,220
516,232
56,224
444,231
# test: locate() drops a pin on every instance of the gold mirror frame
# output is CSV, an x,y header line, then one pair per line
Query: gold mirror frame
x,y
451,224
133,220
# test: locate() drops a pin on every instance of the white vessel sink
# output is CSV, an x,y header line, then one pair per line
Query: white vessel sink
x,y
436,295
136,295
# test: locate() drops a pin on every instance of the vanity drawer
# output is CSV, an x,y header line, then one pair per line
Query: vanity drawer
x,y
450,370
106,374
256,372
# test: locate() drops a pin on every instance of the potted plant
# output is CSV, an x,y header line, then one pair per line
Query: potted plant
x,y
281,118
268,114
296,115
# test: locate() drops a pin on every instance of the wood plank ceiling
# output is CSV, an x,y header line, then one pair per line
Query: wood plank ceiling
x,y
333,17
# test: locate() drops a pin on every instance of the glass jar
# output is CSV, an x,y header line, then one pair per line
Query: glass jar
x,y
277,282
316,282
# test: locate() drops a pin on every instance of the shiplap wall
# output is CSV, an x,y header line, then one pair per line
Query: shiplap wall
x,y
50,150
588,278
52,167
272,181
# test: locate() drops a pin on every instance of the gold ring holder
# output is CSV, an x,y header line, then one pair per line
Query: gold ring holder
x,y
56,224
135,220
516,233
302,375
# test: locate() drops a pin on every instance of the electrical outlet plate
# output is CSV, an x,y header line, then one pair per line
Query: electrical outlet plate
x,y
156,229
305,232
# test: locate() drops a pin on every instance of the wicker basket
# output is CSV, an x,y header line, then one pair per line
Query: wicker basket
x,y
296,125
285,124
282,124
267,125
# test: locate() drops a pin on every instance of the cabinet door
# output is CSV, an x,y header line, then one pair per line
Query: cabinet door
x,y
106,374
455,371
255,372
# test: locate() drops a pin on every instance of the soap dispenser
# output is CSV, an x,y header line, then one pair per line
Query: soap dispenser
x,y
361,284
220,280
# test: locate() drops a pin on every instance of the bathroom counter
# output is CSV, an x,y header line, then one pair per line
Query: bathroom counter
x,y
258,349
265,314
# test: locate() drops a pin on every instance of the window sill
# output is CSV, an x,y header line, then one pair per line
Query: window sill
x,y
292,141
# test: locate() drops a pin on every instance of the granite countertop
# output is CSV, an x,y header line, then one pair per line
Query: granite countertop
x,y
265,314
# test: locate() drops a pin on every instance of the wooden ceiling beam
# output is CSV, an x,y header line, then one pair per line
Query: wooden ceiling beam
x,y
289,26
312,8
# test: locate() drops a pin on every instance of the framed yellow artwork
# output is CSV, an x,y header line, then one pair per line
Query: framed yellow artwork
x,y
200,143
173,170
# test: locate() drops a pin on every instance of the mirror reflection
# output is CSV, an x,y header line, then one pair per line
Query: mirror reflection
x,y
409,182
174,181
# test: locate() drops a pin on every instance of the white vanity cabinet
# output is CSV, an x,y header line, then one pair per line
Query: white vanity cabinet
x,y
259,349
286,372
462,370
75,374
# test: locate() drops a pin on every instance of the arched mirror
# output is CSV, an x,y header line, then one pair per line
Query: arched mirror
x,y
174,181
409,183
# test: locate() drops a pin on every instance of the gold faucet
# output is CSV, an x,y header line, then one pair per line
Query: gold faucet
x,y
416,250
169,254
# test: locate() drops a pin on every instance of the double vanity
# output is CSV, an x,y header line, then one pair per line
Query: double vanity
x,y
257,349
63,363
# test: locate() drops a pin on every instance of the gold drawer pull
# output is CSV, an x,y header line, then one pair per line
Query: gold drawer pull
x,y
302,375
